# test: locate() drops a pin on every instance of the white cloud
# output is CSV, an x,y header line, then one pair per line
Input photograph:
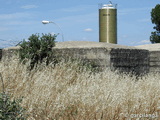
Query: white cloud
x,y
26,40
29,6
88,30
78,8
72,9
132,10
14,16
80,19
7,43
144,41
53,33
4,29
124,36
19,22
145,20
140,42
84,38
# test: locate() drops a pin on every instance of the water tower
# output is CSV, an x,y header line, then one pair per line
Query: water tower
x,y
108,23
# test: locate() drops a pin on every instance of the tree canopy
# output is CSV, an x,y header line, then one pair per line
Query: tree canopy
x,y
37,48
155,18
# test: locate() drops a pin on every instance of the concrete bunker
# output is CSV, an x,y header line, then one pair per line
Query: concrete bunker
x,y
104,55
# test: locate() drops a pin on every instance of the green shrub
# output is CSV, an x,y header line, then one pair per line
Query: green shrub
x,y
37,48
10,110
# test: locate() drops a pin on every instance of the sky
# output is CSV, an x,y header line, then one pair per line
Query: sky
x,y
76,20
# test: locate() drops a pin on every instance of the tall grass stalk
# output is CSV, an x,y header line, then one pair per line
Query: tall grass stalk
x,y
67,91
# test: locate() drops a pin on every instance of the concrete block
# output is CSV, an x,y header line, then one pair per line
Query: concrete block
x,y
98,56
154,69
154,63
8,53
130,60
156,58
116,57
155,54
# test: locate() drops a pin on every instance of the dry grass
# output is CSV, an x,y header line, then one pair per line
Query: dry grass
x,y
65,92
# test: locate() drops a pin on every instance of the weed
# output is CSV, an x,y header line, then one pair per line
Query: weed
x,y
66,91
10,109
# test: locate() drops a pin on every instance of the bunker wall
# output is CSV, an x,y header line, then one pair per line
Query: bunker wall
x,y
138,61
130,60
154,61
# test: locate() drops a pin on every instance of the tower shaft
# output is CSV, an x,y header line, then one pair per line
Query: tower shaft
x,y
108,24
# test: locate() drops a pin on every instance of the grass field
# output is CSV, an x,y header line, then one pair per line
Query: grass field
x,y
68,92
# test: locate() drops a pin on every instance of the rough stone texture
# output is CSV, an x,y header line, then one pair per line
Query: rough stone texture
x,y
130,60
9,52
154,50
115,57
100,57
150,47
105,55
89,44
154,61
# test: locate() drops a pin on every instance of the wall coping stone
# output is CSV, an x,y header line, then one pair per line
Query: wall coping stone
x,y
150,47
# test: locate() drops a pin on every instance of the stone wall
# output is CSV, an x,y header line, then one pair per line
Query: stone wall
x,y
100,57
114,57
9,52
154,50
154,61
130,60
123,60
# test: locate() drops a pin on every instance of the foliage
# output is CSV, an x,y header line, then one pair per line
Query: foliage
x,y
89,65
10,110
155,18
37,48
155,37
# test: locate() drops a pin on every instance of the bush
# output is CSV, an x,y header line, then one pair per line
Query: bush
x,y
10,110
37,48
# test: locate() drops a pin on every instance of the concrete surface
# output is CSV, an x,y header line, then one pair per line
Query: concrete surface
x,y
106,55
138,59
154,50
150,47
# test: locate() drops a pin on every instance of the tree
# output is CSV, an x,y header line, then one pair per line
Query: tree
x,y
37,48
155,18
